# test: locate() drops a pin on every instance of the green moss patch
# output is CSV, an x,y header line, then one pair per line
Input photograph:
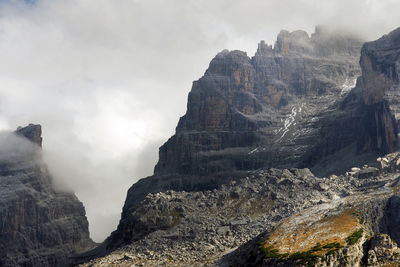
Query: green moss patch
x,y
354,237
332,245
307,258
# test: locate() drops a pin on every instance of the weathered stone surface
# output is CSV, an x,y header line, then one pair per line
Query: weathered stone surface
x,y
288,106
179,228
39,225
381,95
32,132
382,249
325,234
246,113
297,104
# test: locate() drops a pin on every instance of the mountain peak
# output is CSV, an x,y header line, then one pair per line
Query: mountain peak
x,y
32,132
296,41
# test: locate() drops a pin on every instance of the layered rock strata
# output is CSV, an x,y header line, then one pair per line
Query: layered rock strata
x,y
288,106
39,225
246,113
380,90
301,103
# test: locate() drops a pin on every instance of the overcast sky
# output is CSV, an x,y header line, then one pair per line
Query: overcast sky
x,y
108,79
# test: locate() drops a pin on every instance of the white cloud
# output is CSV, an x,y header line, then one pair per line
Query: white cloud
x,y
108,79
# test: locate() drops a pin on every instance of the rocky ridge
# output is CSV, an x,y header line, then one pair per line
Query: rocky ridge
x,y
39,225
202,228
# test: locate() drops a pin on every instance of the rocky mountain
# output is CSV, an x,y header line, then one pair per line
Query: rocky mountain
x,y
288,211
39,224
287,106
265,111
255,174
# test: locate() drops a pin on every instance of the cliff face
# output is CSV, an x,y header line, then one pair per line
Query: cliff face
x,y
288,106
39,225
374,211
281,108
246,113
301,103
380,90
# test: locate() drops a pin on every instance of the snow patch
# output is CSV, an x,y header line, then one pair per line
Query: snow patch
x,y
257,149
253,151
348,85
289,121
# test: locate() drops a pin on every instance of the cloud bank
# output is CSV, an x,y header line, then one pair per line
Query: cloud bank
x,y
15,148
109,79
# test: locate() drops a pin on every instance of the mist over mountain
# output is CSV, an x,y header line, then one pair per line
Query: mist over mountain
x,y
41,225
111,80
286,158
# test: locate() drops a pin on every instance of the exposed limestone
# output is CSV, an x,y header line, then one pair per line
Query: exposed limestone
x,y
291,105
31,132
202,228
288,106
39,226
380,89
246,113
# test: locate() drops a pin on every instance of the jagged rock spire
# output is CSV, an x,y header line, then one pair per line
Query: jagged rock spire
x,y
32,132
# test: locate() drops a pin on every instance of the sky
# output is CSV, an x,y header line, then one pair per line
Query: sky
x,y
109,79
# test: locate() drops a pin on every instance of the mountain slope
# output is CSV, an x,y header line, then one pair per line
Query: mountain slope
x,y
302,103
287,210
275,109
375,210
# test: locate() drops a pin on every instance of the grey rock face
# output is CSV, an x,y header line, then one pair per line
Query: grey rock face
x,y
39,225
382,249
223,227
380,90
370,204
297,104
31,132
246,113
288,106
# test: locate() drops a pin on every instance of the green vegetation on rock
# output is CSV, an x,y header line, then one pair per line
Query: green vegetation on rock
x,y
333,245
354,237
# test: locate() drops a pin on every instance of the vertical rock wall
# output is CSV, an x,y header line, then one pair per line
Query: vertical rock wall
x,y
39,225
